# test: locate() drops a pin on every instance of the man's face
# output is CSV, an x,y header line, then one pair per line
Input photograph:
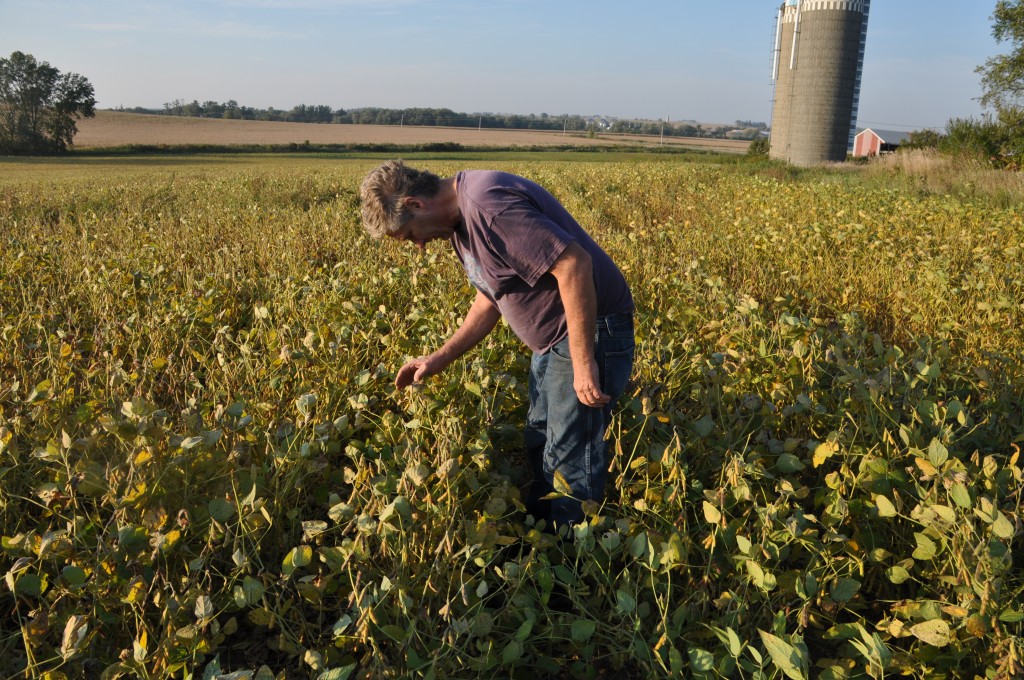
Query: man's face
x,y
427,223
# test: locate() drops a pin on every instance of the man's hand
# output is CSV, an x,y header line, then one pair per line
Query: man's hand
x,y
587,384
415,371
480,320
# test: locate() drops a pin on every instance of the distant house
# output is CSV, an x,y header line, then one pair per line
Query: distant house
x,y
874,142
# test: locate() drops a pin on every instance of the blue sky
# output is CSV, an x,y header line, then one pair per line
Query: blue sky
x,y
681,59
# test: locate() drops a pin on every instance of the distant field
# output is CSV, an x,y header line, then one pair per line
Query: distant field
x,y
112,128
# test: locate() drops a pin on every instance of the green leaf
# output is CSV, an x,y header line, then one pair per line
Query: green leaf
x,y
625,602
701,660
221,510
342,673
937,453
640,546
885,507
582,629
1002,527
512,652
960,495
926,549
396,633
703,427
955,410
297,557
1011,616
73,576
675,662
785,657
845,589
761,579
744,544
711,513
943,512
756,573
787,464
28,585
843,631
735,645
253,590
305,404
934,632
303,555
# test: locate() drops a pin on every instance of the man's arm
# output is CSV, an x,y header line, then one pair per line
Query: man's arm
x,y
479,322
574,272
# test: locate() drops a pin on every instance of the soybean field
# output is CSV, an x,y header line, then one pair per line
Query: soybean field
x,y
205,469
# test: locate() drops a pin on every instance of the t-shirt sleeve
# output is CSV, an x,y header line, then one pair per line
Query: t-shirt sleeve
x,y
527,240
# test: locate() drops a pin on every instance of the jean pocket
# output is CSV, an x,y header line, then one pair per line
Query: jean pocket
x,y
616,371
560,350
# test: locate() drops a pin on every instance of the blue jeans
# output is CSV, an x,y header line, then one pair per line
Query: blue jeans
x,y
564,435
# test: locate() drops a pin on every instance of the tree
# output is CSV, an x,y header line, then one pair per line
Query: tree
x,y
1002,76
758,147
922,139
39,106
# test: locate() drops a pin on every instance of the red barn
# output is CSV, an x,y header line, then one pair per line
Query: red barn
x,y
874,142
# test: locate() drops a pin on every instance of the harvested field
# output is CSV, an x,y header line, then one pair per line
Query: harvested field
x,y
114,128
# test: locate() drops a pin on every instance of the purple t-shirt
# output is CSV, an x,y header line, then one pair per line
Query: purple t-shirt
x,y
512,232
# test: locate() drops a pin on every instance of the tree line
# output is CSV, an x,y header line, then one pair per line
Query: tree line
x,y
443,117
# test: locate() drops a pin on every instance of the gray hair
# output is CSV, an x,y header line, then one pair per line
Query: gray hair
x,y
383,193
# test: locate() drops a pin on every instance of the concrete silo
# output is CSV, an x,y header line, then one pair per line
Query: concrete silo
x,y
819,54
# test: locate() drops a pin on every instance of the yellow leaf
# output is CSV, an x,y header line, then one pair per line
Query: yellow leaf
x,y
977,625
561,484
136,592
925,466
935,632
711,514
171,540
261,617
823,452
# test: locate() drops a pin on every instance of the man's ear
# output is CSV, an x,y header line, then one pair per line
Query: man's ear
x,y
413,202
